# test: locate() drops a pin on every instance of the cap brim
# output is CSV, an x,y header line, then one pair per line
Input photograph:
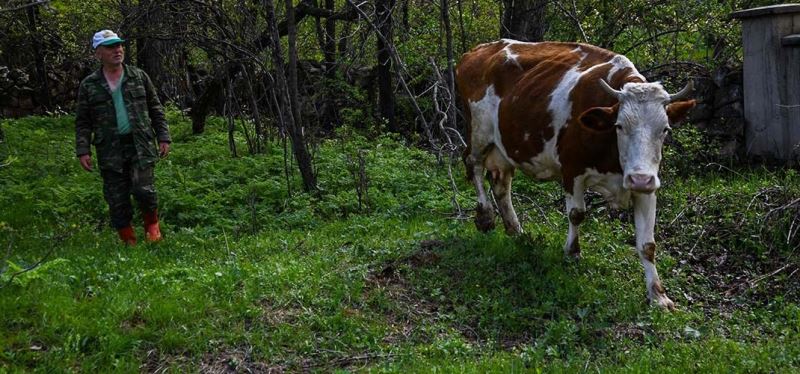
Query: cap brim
x,y
112,41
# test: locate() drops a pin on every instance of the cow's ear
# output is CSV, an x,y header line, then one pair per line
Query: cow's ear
x,y
678,110
600,118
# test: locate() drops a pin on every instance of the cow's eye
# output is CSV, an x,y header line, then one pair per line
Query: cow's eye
x,y
618,126
667,130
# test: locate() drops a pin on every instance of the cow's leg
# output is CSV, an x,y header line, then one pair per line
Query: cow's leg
x,y
645,219
502,173
576,211
482,119
484,217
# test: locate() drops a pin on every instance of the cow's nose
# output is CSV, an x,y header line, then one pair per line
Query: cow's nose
x,y
642,182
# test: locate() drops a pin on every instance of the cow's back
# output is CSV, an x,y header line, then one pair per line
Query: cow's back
x,y
541,88
504,63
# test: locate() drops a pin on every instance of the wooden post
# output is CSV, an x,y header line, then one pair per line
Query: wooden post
x,y
772,81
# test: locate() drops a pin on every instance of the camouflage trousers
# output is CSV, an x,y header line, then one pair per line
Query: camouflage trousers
x,y
119,186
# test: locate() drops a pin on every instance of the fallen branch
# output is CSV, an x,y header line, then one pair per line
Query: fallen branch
x,y
342,361
720,167
760,279
781,208
697,241
755,282
29,268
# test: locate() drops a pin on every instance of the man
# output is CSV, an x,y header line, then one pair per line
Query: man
x,y
119,112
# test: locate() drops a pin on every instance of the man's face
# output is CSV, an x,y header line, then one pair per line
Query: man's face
x,y
110,54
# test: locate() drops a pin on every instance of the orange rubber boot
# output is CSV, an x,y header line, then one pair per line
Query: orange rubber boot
x,y
127,235
152,231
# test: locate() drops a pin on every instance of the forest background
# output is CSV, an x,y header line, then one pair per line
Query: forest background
x,y
316,212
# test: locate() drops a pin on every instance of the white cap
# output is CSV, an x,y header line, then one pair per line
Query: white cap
x,y
105,37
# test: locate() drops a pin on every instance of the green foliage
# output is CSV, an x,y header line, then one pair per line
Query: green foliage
x,y
251,277
698,31
64,32
686,148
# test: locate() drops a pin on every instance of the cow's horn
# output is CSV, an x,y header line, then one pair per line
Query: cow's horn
x,y
684,92
610,90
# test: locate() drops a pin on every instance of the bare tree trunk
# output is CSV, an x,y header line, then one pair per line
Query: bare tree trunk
x,y
287,93
461,26
148,56
41,71
329,49
524,20
343,41
229,114
202,105
163,60
330,118
404,8
386,102
451,88
258,126
128,12
298,134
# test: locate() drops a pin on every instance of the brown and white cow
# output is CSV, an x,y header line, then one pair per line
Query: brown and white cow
x,y
570,112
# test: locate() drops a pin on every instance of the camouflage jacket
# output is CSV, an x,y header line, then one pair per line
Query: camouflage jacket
x,y
96,119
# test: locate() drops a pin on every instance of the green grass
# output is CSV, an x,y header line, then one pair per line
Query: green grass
x,y
250,277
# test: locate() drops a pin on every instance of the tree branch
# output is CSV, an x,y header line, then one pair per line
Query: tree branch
x,y
40,2
399,70
686,63
573,16
656,36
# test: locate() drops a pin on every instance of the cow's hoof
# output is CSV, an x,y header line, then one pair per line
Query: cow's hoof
x,y
573,251
664,303
659,296
484,224
513,230
484,220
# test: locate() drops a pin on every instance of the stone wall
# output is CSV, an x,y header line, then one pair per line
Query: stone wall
x,y
20,95
720,107
722,113
16,93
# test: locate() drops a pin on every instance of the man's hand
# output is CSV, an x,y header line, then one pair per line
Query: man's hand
x,y
163,149
86,162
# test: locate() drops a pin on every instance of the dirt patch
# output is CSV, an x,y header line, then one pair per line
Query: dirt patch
x,y
236,361
232,360
156,362
275,314
136,321
408,310
631,331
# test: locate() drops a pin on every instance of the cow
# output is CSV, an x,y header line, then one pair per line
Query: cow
x,y
574,113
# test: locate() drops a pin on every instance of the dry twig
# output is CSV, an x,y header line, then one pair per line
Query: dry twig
x,y
29,268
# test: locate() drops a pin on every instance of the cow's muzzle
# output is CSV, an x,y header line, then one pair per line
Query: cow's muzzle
x,y
644,183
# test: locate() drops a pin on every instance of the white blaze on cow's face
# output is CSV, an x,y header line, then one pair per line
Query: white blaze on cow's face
x,y
642,125
641,120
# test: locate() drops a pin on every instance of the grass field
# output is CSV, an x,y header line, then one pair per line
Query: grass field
x,y
253,278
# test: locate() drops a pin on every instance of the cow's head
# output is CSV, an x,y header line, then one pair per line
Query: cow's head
x,y
642,120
